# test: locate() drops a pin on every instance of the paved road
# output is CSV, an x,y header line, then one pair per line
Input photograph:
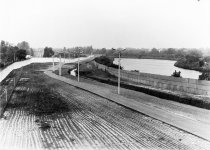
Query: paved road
x,y
196,127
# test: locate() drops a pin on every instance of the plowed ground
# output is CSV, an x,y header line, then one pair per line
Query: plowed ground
x,y
47,114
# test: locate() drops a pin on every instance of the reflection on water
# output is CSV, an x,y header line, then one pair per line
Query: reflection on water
x,y
154,66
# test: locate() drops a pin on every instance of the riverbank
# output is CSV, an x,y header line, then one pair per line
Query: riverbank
x,y
193,64
149,57
180,63
158,67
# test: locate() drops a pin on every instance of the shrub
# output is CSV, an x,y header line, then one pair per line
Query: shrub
x,y
104,60
107,62
48,52
21,54
176,74
205,76
1,65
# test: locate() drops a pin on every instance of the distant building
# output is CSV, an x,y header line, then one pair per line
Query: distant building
x,y
38,52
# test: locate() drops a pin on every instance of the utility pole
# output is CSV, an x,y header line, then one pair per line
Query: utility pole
x,y
80,52
53,64
14,57
119,64
118,91
60,66
78,70
69,57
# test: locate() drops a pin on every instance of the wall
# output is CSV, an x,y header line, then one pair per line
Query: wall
x,y
19,64
193,86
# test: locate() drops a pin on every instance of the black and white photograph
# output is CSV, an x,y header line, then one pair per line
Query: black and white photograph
x,y
105,75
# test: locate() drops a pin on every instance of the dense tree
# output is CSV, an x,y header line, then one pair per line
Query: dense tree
x,y
171,51
10,54
192,60
195,53
48,52
88,50
207,59
24,45
7,53
107,62
3,52
180,53
205,76
103,50
154,51
21,54
31,51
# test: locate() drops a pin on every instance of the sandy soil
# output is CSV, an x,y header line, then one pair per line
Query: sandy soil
x,y
90,122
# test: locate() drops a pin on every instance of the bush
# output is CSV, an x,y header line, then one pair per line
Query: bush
x,y
201,63
21,54
205,76
48,52
106,61
1,65
176,74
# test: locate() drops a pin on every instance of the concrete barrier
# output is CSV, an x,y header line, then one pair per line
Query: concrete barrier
x,y
192,86
16,65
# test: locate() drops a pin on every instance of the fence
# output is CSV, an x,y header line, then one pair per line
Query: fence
x,y
7,87
192,86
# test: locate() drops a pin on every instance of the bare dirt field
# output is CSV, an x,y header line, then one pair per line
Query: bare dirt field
x,y
48,114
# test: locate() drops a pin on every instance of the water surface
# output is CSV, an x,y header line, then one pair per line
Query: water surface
x,y
155,66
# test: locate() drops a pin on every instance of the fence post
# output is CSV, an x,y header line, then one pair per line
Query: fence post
x,y
6,94
14,81
53,64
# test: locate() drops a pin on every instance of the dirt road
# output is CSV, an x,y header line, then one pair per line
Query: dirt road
x,y
90,122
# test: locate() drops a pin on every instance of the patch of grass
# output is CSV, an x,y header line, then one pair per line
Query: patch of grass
x,y
45,101
39,97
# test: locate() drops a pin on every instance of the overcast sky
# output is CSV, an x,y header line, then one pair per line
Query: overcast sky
x,y
106,23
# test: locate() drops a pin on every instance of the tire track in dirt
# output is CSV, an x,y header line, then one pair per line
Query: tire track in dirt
x,y
19,130
91,123
121,121
169,140
123,128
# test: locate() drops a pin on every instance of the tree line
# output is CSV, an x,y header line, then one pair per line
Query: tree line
x,y
68,52
142,53
10,53
154,53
